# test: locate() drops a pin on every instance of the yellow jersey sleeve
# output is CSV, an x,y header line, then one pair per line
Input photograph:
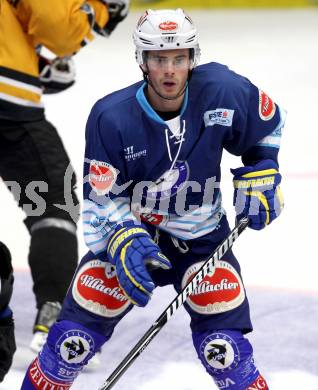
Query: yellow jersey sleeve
x,y
60,25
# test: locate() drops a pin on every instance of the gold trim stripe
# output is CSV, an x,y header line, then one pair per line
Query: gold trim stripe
x,y
20,93
265,172
20,84
20,97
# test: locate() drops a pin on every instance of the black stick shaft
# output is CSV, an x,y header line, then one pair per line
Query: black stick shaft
x,y
175,304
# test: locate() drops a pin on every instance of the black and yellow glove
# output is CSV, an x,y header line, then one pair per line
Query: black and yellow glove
x,y
257,194
131,249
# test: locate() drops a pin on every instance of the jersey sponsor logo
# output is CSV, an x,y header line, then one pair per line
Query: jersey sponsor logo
x,y
219,116
97,290
220,352
41,382
221,289
266,107
131,155
102,177
259,384
168,26
153,219
170,183
75,346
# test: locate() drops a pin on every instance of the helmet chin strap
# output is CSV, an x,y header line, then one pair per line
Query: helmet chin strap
x,y
146,78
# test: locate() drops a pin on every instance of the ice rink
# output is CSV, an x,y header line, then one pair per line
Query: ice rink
x,y
278,51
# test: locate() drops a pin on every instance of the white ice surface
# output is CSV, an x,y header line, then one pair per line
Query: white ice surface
x,y
277,50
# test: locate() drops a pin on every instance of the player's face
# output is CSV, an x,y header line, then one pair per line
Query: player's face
x,y
168,72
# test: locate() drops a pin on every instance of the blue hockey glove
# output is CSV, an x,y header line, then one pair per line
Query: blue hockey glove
x,y
257,194
131,250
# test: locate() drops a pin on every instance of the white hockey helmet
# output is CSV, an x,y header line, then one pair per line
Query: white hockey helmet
x,y
166,29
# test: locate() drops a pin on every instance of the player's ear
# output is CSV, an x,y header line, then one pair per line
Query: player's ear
x,y
191,58
143,62
144,68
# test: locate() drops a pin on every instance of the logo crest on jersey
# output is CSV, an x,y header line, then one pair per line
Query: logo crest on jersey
x,y
170,183
219,116
75,346
220,352
97,290
168,26
41,381
221,290
266,107
102,177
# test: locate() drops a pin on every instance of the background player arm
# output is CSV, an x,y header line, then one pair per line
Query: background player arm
x,y
117,12
64,26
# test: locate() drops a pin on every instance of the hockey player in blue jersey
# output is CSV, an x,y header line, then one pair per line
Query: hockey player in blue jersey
x,y
152,204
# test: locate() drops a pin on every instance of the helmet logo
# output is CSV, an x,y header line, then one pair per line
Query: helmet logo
x,y
168,26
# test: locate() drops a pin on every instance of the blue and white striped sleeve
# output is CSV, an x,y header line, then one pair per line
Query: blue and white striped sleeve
x,y
273,140
99,222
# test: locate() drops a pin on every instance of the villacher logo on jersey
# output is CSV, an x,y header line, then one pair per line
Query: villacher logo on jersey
x,y
267,107
102,176
96,289
220,291
154,219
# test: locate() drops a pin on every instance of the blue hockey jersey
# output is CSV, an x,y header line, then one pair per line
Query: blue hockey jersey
x,y
136,167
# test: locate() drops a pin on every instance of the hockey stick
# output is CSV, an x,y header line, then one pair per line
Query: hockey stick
x,y
175,304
